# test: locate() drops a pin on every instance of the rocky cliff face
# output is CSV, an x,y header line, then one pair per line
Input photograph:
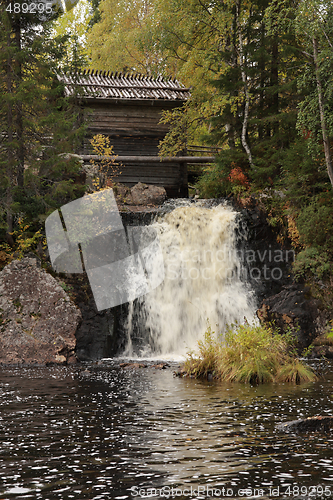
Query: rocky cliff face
x,y
267,263
294,310
38,321
96,337
289,306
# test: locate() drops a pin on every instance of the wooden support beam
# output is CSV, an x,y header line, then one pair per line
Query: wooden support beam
x,y
153,159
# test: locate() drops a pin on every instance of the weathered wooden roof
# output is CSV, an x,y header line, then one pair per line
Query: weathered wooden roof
x,y
93,84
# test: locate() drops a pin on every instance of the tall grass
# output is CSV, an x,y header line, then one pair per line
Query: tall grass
x,y
247,353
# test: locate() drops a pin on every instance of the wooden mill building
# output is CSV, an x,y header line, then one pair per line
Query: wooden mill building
x,y
128,108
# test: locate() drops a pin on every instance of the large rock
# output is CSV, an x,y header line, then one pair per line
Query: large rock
x,y
100,333
95,338
144,194
38,320
312,424
323,346
294,310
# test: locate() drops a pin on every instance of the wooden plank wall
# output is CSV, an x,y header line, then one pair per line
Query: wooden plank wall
x,y
134,130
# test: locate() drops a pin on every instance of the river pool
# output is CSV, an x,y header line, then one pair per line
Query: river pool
x,y
101,432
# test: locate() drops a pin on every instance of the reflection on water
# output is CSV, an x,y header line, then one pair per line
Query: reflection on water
x,y
67,434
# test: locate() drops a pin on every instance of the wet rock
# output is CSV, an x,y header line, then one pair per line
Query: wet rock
x,y
60,359
147,194
132,365
323,346
160,366
72,360
294,310
180,372
123,194
311,424
267,264
95,335
322,351
38,321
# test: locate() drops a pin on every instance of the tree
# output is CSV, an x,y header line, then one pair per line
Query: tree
x,y
311,23
192,36
244,83
73,26
120,40
36,121
96,13
314,24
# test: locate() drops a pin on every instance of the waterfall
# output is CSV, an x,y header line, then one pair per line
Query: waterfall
x,y
202,283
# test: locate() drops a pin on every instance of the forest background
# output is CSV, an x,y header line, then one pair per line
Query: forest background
x,y
261,79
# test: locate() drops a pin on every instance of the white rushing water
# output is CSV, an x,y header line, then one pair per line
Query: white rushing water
x,y
202,282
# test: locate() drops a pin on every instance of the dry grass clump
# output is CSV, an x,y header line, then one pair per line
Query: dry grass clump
x,y
203,363
296,371
248,353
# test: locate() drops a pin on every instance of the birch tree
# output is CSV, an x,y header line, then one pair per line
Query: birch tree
x,y
121,40
242,63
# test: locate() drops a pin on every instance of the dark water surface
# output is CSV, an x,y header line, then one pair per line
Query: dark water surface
x,y
116,434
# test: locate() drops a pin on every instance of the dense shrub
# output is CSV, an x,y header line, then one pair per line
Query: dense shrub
x,y
247,353
315,223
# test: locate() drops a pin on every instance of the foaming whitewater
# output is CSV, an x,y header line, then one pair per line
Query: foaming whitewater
x,y
202,283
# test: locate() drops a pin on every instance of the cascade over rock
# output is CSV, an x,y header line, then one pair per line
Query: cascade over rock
x,y
221,264
202,285
38,320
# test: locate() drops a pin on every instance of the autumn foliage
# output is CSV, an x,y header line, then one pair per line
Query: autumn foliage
x,y
238,177
107,167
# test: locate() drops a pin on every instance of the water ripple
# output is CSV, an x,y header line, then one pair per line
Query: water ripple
x,y
64,435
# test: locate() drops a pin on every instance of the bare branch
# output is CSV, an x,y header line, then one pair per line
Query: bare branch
x,y
327,39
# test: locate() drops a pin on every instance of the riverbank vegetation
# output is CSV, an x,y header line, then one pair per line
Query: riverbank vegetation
x,y
247,353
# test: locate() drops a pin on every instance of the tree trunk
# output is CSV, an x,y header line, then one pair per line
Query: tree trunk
x,y
275,81
19,118
231,137
10,153
326,140
262,83
246,90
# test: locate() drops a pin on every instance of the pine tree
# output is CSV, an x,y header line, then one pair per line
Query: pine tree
x,y
37,123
